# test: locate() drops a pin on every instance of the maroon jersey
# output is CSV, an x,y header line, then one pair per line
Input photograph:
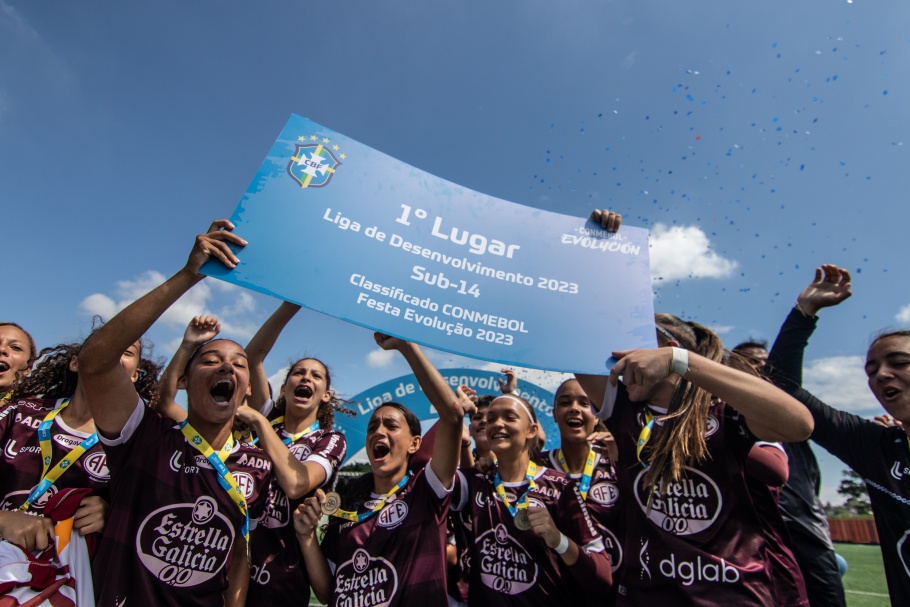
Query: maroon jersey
x,y
277,574
789,585
397,556
700,542
20,463
171,526
514,567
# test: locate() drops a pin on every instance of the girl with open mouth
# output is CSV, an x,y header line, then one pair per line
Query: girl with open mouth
x,y
185,497
17,354
385,541
49,439
306,453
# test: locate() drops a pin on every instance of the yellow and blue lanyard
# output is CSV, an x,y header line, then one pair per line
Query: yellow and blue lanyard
x,y
586,475
225,478
292,438
644,436
349,515
44,441
523,500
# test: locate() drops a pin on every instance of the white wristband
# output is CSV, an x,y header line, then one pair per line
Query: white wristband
x,y
563,544
680,361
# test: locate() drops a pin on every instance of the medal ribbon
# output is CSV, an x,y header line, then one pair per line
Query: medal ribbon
x,y
523,500
225,478
44,440
644,436
585,483
293,438
349,515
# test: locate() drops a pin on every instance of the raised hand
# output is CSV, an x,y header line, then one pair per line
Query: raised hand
x,y
387,342
608,220
466,397
510,385
213,244
830,287
201,330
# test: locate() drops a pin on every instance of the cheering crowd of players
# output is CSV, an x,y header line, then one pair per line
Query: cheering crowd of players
x,y
665,488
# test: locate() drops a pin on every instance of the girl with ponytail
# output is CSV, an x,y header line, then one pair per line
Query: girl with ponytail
x,y
684,424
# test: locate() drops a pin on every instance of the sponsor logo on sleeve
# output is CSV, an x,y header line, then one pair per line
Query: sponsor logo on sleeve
x,y
688,506
505,566
711,426
364,581
185,544
301,451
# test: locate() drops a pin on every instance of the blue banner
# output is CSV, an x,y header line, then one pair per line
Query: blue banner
x,y
343,229
406,391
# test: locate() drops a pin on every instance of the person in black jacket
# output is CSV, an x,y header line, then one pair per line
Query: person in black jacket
x,y
881,455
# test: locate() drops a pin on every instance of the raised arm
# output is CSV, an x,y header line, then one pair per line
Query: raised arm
x,y
830,287
296,478
260,346
200,330
771,414
107,387
447,446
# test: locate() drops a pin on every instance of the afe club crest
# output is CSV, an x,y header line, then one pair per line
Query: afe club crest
x,y
314,162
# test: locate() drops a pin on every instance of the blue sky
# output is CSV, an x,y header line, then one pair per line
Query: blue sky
x,y
755,140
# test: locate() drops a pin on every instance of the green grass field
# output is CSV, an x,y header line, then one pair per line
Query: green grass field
x,y
865,580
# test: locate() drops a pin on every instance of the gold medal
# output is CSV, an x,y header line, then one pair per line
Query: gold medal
x,y
521,520
332,503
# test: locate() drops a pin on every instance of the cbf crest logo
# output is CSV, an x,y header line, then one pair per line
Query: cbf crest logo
x,y
314,162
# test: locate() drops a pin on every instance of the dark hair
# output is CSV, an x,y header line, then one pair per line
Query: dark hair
x,y
681,441
886,333
485,400
325,414
52,377
357,490
752,342
32,349
740,362
409,417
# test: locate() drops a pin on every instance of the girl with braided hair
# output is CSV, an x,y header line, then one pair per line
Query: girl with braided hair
x,y
684,424
50,443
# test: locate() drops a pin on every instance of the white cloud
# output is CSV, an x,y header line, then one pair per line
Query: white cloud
x,y
234,314
276,380
685,252
379,358
904,314
840,381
